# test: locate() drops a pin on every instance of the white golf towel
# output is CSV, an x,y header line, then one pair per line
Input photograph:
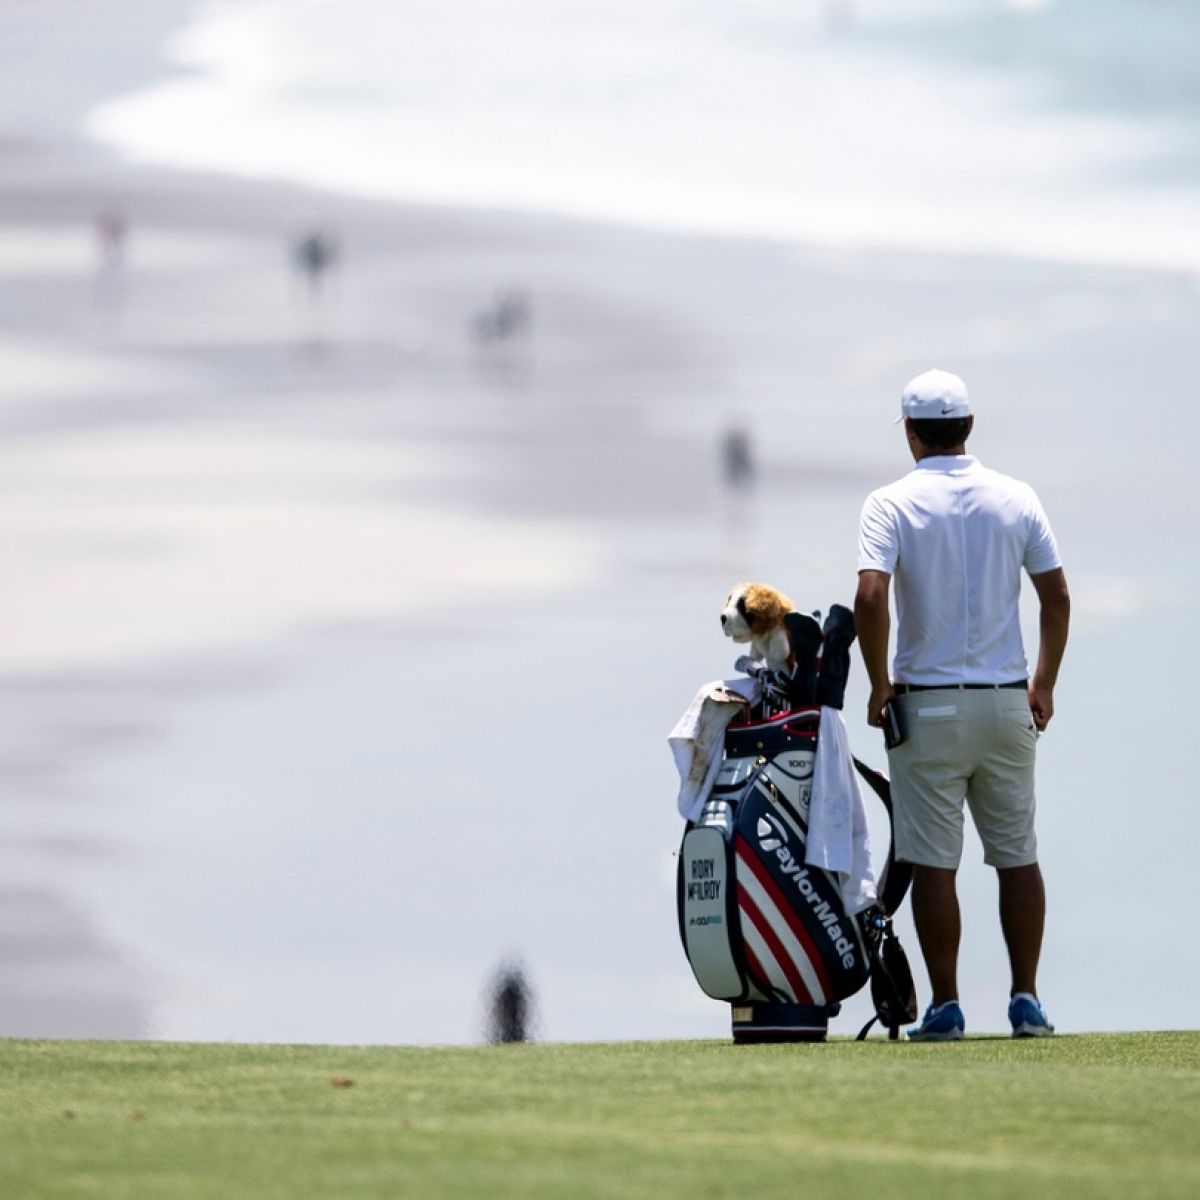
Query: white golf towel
x,y
698,739
838,839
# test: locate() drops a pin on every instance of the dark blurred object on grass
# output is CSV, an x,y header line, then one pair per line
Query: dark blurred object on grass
x,y
509,1005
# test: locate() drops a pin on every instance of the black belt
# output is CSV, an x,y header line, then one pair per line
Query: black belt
x,y
904,688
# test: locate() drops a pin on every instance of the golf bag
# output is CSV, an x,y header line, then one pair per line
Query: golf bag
x,y
761,929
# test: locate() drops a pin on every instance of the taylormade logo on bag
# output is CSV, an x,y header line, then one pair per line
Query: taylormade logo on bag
x,y
766,827
771,840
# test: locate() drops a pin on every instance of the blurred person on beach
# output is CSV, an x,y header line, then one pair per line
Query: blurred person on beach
x,y
314,253
955,537
111,229
510,315
737,459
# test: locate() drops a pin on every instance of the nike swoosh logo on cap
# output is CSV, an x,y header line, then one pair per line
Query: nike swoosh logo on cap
x,y
947,411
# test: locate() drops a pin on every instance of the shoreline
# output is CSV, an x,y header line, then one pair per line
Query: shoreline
x,y
1053,197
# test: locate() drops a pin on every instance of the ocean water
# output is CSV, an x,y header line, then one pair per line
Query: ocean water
x,y
1052,128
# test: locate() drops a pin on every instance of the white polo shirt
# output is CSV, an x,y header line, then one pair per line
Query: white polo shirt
x,y
954,536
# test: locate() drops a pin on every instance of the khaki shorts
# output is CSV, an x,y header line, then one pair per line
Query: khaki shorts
x,y
972,745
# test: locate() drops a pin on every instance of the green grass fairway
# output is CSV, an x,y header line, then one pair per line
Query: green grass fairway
x,y
1089,1116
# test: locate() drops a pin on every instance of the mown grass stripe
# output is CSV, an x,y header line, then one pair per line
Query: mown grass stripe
x,y
1092,1116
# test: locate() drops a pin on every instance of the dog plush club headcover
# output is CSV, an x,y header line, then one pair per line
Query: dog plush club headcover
x,y
754,613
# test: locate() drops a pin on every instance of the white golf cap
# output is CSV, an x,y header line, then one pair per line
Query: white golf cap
x,y
934,396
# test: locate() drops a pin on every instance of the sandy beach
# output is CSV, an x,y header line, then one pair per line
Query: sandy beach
x,y
341,649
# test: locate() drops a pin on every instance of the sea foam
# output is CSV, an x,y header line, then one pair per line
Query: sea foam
x,y
902,124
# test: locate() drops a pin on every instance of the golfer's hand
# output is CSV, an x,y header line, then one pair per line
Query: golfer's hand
x,y
1041,704
879,697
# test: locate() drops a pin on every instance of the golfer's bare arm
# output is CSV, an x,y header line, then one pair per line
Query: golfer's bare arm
x,y
1054,624
873,622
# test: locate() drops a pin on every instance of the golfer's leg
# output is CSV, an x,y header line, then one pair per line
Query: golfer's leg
x,y
929,783
1003,804
1022,917
939,928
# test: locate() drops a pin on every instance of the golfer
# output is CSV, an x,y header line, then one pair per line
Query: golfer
x,y
955,536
